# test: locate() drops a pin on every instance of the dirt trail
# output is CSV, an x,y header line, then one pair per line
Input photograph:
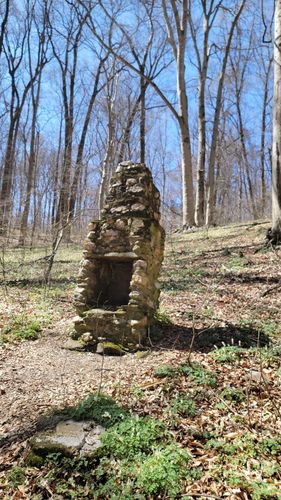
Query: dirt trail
x,y
40,375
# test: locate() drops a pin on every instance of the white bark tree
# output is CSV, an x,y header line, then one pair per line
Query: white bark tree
x,y
210,210
203,53
275,235
176,25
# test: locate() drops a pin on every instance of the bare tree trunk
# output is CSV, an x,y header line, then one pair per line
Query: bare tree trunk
x,y
36,202
187,177
141,63
143,88
31,164
81,146
202,61
201,158
56,177
186,158
276,146
29,187
177,40
4,24
68,67
246,159
109,149
240,191
202,52
6,187
63,204
210,212
218,173
15,57
263,131
126,134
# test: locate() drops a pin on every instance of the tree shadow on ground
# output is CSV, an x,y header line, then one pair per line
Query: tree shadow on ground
x,y
184,283
38,282
252,279
179,337
224,251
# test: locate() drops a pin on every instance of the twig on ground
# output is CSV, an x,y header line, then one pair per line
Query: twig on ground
x,y
271,289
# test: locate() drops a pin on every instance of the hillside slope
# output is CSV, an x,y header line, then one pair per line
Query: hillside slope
x,y
211,371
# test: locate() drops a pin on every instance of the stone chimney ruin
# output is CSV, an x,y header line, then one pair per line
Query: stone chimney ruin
x,y
118,289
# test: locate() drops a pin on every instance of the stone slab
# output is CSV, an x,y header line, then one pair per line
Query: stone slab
x,y
68,437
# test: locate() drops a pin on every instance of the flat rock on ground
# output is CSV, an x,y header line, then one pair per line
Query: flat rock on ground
x,y
68,437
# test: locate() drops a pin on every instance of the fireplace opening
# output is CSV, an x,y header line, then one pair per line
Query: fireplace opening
x,y
113,284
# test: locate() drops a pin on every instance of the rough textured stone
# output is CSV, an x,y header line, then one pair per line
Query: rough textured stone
x,y
69,437
118,291
73,345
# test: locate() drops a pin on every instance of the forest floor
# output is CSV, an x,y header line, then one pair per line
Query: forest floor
x,y
211,374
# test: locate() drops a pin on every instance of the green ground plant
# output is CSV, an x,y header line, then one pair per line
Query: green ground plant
x,y
138,459
23,327
259,490
227,354
163,471
236,263
237,447
133,436
163,317
268,355
233,394
269,327
195,372
271,446
245,454
240,449
16,476
165,371
198,374
137,392
265,326
207,312
183,406
180,278
98,407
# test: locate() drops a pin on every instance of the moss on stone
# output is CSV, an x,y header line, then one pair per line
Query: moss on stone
x,y
45,447
34,460
112,349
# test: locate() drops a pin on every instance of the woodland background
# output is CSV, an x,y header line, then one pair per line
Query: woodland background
x,y
184,86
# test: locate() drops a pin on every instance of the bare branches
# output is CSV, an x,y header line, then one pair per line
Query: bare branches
x,y
4,24
126,62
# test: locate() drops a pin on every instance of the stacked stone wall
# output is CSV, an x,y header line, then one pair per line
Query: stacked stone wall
x,y
130,234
